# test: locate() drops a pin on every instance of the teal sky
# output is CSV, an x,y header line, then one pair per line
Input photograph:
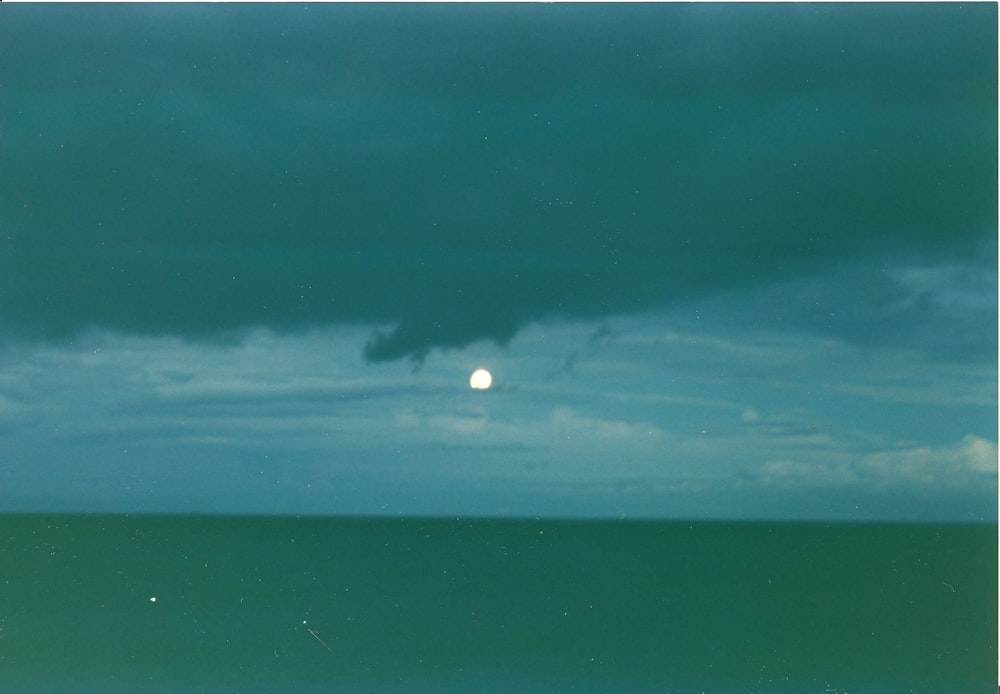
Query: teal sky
x,y
724,261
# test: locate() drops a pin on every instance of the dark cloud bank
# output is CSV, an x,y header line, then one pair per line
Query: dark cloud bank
x,y
452,172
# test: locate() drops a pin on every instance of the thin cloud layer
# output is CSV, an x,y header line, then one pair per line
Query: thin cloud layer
x,y
709,422
442,175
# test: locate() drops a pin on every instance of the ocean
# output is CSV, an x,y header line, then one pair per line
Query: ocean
x,y
123,603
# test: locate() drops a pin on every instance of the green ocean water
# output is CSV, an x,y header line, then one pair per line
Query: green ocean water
x,y
247,604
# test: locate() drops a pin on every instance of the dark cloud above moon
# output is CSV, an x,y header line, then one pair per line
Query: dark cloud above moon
x,y
448,174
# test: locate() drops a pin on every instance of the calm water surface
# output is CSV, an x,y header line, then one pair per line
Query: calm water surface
x,y
248,604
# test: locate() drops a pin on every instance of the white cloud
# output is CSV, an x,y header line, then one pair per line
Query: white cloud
x,y
964,465
831,472
930,467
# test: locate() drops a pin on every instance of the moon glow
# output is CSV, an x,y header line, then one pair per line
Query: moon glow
x,y
480,380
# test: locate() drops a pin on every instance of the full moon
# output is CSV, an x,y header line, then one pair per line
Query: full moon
x,y
480,380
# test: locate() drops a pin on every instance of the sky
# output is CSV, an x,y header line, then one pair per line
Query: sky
x,y
723,261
